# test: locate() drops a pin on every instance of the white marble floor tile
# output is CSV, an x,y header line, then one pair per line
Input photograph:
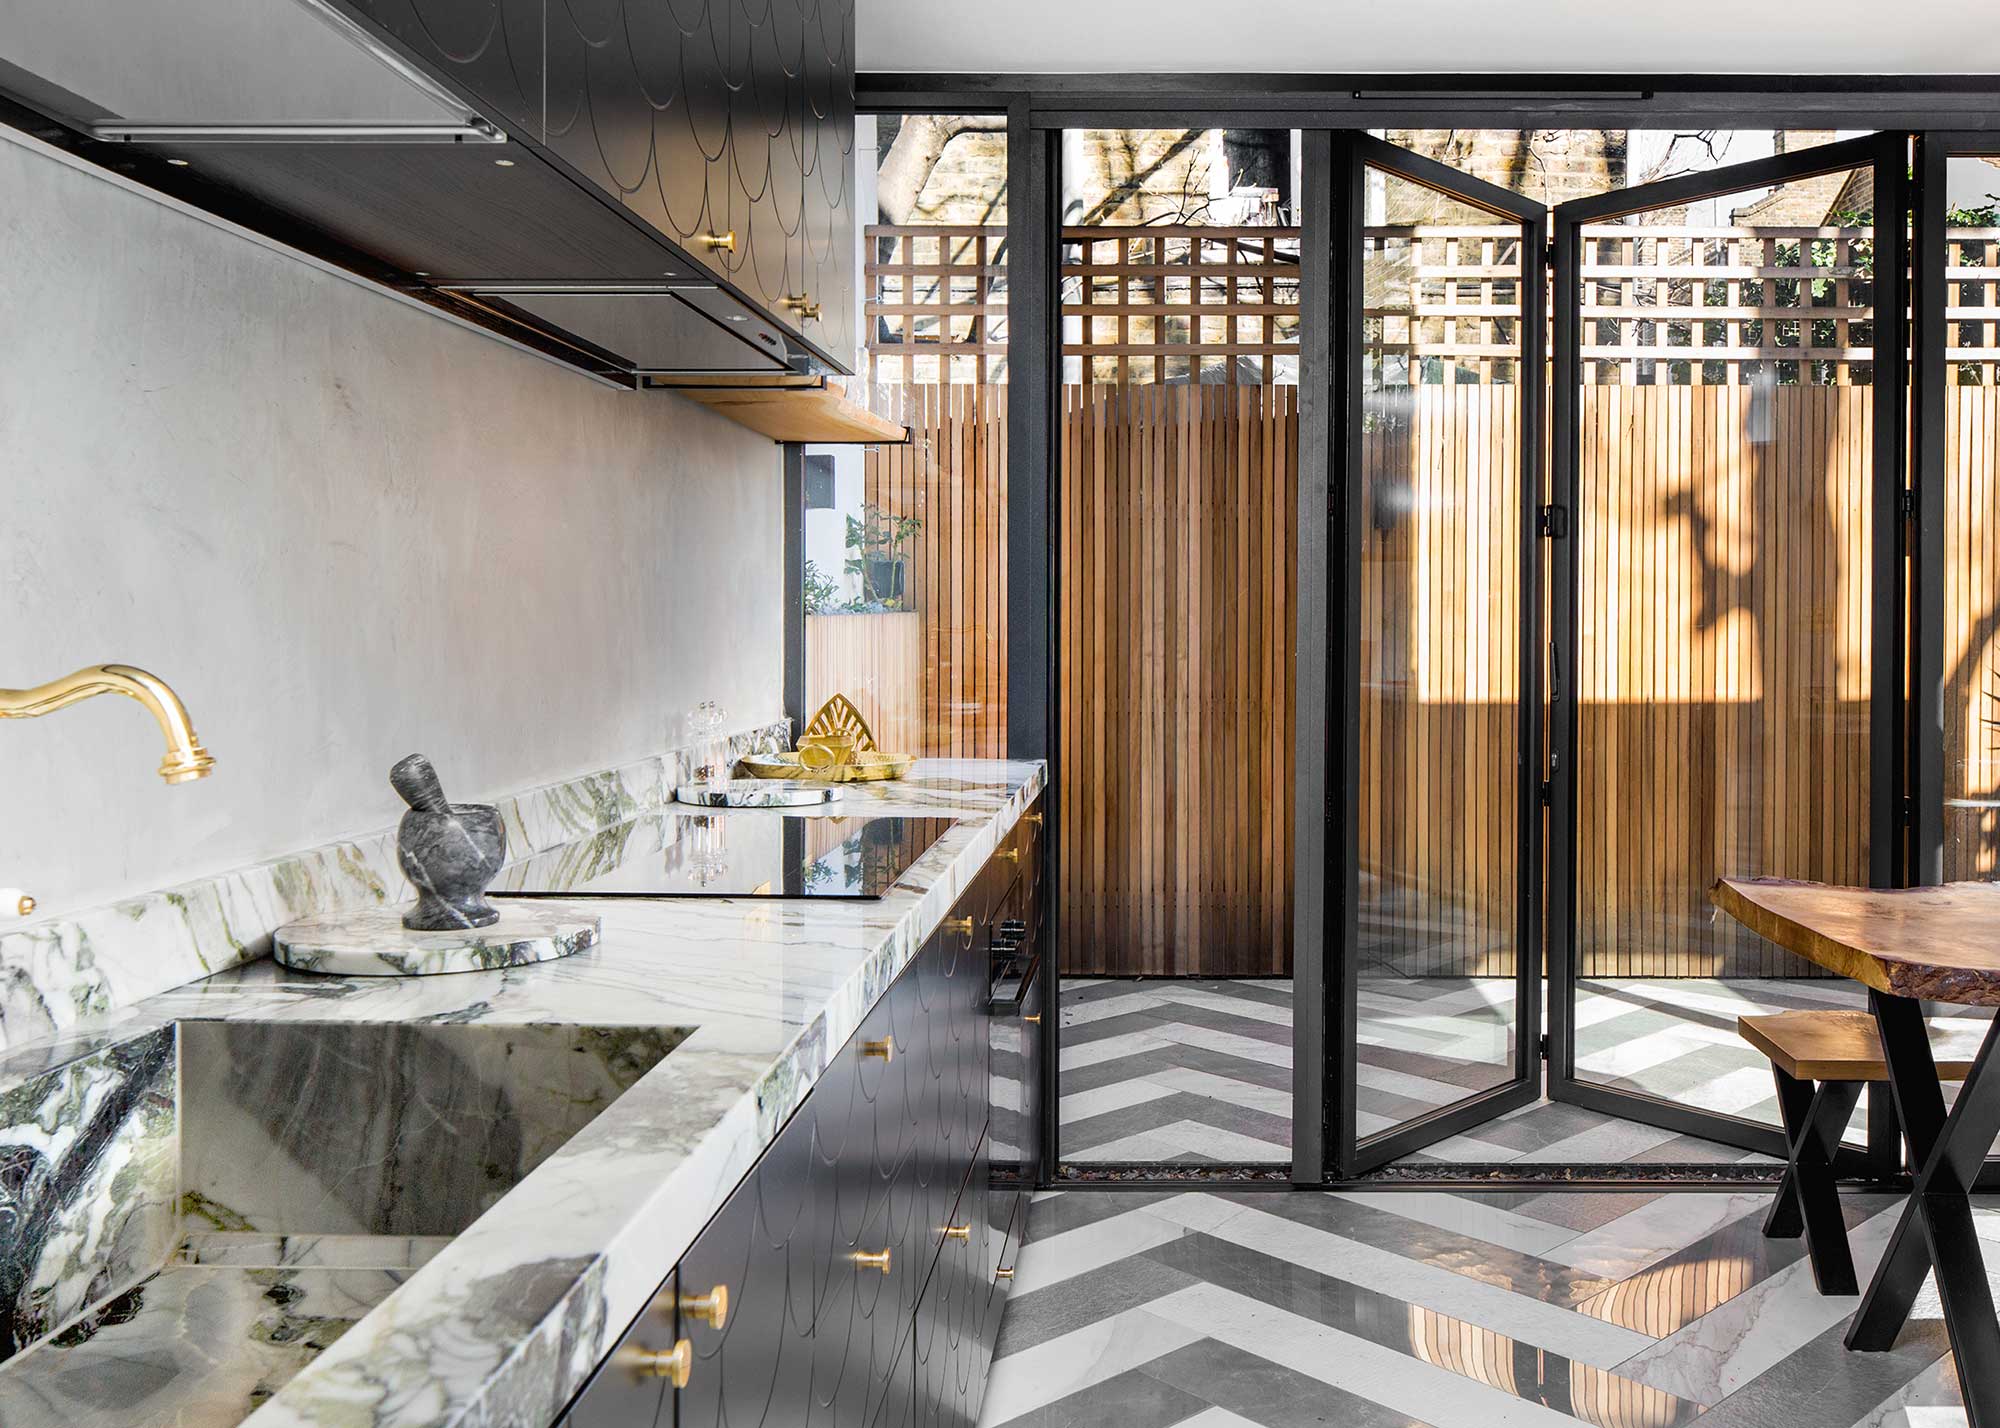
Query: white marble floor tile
x,y
1643,1237
1116,1096
1217,1418
1467,1217
1077,1055
1227,1042
1244,1007
1084,1013
1073,1252
1711,1358
1410,1088
1408,1385
1458,1296
1247,1094
1189,1137
1611,1141
1023,1382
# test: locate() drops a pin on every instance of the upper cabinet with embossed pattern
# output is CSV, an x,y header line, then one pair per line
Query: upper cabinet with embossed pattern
x,y
727,125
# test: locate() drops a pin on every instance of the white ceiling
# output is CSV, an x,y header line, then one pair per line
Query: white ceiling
x,y
1415,36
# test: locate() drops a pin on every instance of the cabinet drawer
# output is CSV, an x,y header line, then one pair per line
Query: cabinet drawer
x,y
947,1319
952,1107
629,1389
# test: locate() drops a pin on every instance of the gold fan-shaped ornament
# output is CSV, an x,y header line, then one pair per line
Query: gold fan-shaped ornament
x,y
839,716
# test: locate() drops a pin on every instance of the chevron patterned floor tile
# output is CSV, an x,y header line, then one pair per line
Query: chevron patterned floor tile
x,y
1432,1310
1194,1070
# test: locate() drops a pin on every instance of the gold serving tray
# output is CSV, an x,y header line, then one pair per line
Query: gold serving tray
x,y
868,767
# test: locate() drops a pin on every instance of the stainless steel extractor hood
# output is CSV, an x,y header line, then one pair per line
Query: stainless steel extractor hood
x,y
219,68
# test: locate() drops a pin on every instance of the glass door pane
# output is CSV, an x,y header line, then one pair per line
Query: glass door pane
x,y
1726,635
1179,429
1445,995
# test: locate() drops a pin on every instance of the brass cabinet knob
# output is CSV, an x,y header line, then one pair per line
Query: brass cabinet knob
x,y
1009,854
1034,1017
805,307
872,1259
885,1048
1032,819
961,926
15,903
958,1232
724,241
711,1308
1004,1275
675,1365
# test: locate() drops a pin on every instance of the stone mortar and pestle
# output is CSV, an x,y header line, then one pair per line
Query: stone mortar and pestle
x,y
449,851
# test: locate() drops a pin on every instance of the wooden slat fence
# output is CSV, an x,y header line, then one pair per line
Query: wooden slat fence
x,y
1972,634
876,660
1723,535
952,476
1176,610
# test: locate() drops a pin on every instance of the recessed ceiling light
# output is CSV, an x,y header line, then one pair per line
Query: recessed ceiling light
x,y
734,317
505,163
178,163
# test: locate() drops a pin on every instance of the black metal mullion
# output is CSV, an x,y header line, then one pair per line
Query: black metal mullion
x,y
1316,906
1034,337
1349,211
1565,447
1532,374
1928,301
795,586
1888,769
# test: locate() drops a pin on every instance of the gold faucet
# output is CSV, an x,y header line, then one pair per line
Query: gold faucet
x,y
186,759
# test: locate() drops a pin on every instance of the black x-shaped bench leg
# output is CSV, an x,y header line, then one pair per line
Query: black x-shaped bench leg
x,y
1936,1230
1808,1202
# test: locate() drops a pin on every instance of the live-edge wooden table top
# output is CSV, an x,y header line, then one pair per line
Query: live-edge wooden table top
x,y
1942,943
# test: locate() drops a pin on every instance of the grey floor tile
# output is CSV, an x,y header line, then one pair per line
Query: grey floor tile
x,y
1524,1274
1824,1385
1270,1395
1079,1137
1134,1399
1054,1214
1540,1375
1085,1298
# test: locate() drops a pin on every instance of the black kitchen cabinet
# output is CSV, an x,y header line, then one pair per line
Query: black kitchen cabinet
x,y
726,125
855,1278
630,1388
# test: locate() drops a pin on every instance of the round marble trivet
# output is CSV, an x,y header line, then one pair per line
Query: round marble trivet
x,y
372,942
756,793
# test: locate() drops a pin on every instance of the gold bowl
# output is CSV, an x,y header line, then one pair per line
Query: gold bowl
x,y
864,766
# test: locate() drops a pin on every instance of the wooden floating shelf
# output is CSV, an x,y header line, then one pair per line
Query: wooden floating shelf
x,y
788,408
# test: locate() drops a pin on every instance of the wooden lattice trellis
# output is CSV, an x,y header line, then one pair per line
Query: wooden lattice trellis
x,y
1676,305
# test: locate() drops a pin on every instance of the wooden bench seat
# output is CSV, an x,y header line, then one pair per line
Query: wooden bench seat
x,y
1845,1046
1820,1061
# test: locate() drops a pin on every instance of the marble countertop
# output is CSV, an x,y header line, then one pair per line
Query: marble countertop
x,y
503,1322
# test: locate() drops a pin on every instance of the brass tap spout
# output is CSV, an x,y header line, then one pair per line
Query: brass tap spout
x,y
186,759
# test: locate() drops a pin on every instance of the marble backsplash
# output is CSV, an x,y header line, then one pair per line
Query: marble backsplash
x,y
56,972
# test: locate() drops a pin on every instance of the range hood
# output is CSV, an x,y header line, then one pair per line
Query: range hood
x,y
220,68
298,120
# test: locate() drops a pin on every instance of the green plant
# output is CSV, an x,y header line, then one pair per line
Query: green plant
x,y
876,540
821,592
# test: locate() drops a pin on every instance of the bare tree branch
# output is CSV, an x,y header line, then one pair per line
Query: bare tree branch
x,y
914,156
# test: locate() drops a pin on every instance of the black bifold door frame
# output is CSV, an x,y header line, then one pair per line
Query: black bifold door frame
x,y
1906,762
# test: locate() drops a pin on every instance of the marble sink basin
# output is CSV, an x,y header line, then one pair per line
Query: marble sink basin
x,y
384,1129
244,1192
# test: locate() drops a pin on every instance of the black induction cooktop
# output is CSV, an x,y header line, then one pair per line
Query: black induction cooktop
x,y
750,852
